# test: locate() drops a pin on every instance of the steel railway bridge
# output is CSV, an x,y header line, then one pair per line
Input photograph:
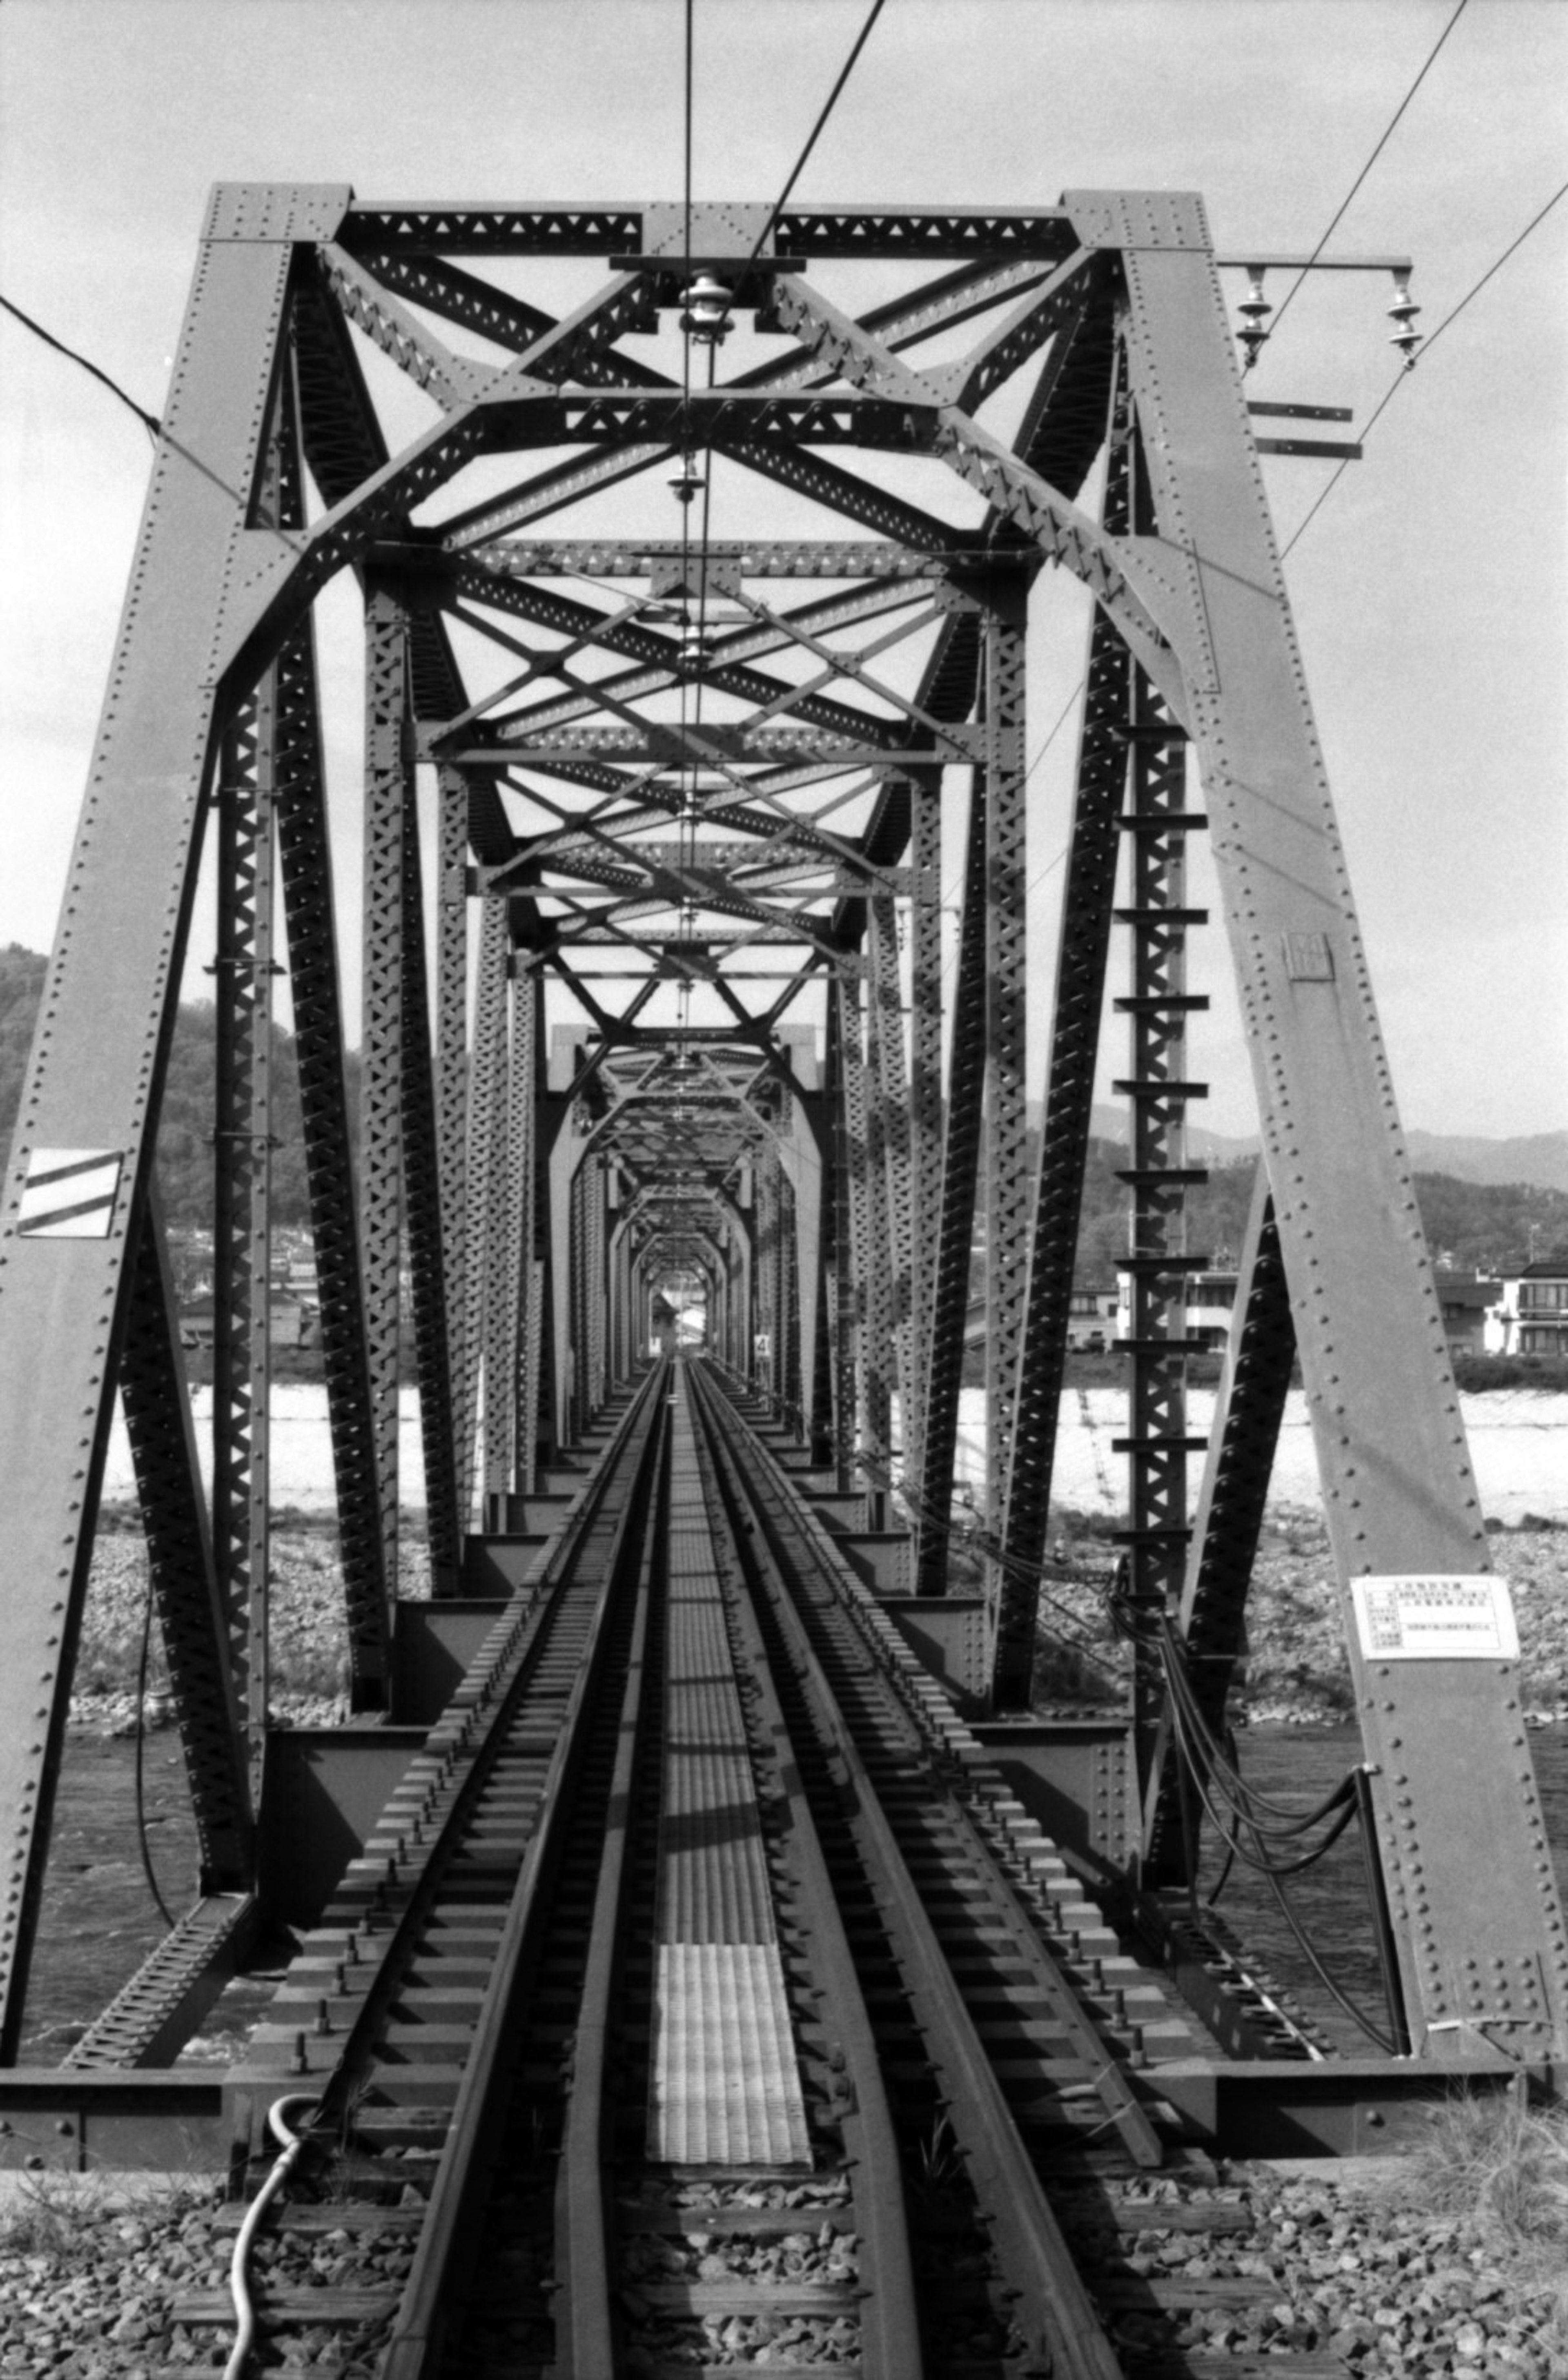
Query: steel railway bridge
x,y
654,988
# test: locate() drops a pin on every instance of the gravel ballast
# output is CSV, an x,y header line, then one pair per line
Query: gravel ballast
x,y
90,2274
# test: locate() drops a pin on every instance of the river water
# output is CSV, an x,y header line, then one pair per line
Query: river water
x,y
100,1920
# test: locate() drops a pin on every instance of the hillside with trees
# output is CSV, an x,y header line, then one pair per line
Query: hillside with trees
x,y
1475,1226
185,1143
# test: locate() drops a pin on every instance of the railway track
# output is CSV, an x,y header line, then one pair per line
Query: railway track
x,y
703,2001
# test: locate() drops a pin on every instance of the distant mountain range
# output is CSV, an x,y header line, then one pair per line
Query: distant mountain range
x,y
1540,1157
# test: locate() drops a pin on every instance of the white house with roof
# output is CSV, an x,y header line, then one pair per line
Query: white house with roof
x,y
1531,1314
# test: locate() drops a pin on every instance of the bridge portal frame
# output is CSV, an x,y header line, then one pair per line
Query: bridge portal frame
x,y
1192,637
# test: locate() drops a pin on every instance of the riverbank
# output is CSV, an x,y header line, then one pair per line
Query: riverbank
x,y
1295,1672
1518,1440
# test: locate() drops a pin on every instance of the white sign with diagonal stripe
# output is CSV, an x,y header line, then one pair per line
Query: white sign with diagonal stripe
x,y
70,1193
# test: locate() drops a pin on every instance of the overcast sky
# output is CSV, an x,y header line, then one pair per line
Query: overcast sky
x,y
1429,590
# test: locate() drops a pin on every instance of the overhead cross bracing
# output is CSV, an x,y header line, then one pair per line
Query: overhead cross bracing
x,y
654,975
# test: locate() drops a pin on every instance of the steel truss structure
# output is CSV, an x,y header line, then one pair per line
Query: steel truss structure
x,y
654,980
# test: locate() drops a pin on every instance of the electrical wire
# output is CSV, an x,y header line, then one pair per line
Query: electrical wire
x,y
292,2146
149,421
1207,1768
687,830
1451,316
145,1846
1388,132
831,101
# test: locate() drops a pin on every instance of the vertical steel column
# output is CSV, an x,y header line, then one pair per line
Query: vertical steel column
x,y
522,1169
595,1283
306,857
1087,900
576,1418
389,770
924,1097
789,1307
424,1222
890,1101
242,1183
868,1235
1011,1604
492,1277
451,1124
764,1210
842,1308
620,1306
1089,891
746,1248
1157,1443
961,1157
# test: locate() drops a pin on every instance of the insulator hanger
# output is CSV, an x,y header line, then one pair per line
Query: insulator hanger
x,y
1404,335
708,303
689,481
1254,310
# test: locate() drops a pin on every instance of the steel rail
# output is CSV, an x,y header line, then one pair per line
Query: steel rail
x,y
890,2330
459,1760
970,1811
585,2329
1052,2308
449,2236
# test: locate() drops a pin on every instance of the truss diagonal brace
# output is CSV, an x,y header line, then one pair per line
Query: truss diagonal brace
x,y
1399,1493
182,1577
1248,1412
97,1069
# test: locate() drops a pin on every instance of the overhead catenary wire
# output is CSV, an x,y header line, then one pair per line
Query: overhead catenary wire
x,y
1389,128
149,421
1451,317
829,105
688,822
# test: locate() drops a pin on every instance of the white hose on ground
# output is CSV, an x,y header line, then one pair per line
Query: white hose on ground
x,y
244,2311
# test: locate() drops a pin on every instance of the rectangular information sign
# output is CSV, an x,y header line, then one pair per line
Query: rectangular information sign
x,y
1435,1619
